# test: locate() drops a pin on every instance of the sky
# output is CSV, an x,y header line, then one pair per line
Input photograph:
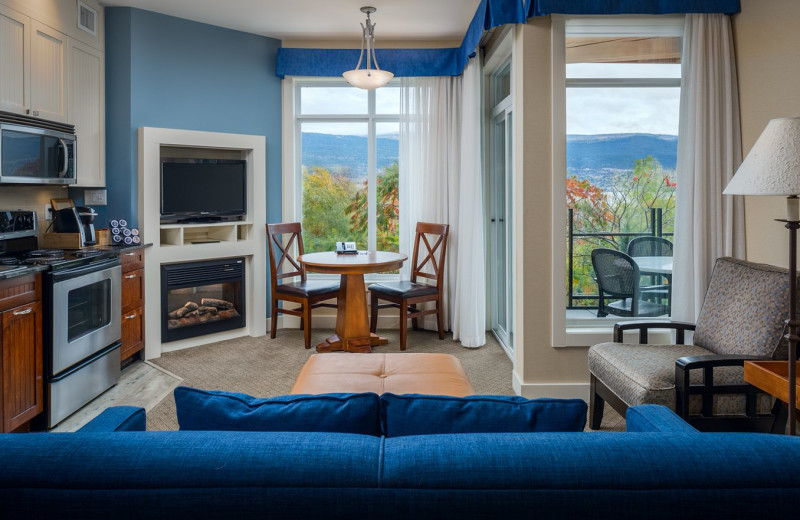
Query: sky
x,y
590,110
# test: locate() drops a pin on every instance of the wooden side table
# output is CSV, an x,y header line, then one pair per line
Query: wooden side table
x,y
352,321
772,377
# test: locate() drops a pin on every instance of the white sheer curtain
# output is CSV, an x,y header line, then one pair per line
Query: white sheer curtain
x,y
441,181
708,224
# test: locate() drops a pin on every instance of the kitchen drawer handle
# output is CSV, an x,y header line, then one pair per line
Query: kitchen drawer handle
x,y
128,277
130,317
26,311
130,254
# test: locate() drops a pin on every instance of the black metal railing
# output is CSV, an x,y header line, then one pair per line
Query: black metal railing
x,y
656,229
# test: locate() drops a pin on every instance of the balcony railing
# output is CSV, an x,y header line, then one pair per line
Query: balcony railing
x,y
656,229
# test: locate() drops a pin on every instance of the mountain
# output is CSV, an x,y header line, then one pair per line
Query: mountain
x,y
347,153
593,157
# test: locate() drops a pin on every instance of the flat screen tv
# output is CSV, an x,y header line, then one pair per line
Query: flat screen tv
x,y
203,190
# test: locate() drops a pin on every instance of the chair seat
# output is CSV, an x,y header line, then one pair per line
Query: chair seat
x,y
640,374
403,289
308,288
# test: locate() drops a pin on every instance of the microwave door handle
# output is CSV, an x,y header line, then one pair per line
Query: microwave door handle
x,y
63,170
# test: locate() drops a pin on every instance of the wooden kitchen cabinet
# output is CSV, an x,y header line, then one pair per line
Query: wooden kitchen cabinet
x,y
21,362
132,302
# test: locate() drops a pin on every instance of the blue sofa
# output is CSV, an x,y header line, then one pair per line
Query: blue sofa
x,y
660,468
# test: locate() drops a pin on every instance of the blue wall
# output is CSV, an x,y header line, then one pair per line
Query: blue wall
x,y
169,72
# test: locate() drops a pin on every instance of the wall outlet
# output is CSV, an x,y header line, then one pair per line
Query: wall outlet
x,y
94,197
48,212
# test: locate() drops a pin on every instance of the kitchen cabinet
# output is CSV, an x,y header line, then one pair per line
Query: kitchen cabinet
x,y
132,302
15,52
87,112
21,363
48,67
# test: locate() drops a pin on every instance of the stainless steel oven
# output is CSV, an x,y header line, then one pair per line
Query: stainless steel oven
x,y
84,329
35,151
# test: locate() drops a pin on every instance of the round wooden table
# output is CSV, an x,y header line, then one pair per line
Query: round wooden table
x,y
352,322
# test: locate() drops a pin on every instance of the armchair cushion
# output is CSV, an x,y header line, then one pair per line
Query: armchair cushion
x,y
118,419
415,414
655,418
216,410
744,309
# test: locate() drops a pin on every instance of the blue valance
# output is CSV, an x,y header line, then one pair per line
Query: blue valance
x,y
545,7
490,13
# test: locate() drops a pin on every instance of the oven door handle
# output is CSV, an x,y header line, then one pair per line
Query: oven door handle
x,y
99,265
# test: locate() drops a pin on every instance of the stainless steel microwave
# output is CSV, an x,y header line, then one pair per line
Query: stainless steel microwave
x,y
37,154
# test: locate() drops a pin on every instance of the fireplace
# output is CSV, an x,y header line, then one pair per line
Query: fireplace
x,y
199,298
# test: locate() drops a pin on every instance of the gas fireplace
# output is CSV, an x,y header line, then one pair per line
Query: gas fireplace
x,y
199,298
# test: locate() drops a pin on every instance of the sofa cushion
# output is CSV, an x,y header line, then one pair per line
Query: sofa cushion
x,y
216,410
415,414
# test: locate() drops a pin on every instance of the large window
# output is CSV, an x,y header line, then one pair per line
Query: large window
x,y
348,165
622,105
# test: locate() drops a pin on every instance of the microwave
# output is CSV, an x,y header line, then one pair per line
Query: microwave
x,y
34,151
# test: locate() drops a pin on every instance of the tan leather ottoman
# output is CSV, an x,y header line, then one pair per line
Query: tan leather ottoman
x,y
412,373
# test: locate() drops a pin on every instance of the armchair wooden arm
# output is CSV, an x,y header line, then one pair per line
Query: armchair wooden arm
x,y
707,389
643,327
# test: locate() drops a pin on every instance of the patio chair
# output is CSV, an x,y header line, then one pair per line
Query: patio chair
x,y
742,318
654,246
309,295
618,278
406,295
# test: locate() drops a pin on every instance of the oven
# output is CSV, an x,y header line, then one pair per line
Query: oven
x,y
36,151
83,331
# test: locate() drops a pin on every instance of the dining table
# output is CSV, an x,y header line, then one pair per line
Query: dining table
x,y
352,321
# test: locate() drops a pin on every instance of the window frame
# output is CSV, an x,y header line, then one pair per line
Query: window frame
x,y
371,118
588,331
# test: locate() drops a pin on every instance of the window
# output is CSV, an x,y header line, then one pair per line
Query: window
x,y
347,165
622,103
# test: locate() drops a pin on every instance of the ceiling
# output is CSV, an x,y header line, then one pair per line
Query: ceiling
x,y
403,20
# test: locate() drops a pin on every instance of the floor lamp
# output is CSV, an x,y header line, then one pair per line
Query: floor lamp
x,y
773,168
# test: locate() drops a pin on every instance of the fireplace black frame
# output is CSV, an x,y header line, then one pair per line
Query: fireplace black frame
x,y
195,274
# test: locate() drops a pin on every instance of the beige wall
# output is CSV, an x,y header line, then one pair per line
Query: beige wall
x,y
767,44
540,369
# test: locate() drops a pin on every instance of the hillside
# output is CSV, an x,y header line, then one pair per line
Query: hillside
x,y
594,157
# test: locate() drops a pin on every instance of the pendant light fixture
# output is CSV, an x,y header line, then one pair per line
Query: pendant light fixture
x,y
368,78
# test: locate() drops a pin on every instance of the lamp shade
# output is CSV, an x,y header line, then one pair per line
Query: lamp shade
x,y
773,165
368,79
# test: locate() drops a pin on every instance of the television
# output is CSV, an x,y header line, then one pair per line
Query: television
x,y
203,190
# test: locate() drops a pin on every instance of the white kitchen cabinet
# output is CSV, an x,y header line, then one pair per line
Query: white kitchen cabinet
x,y
15,48
87,112
48,65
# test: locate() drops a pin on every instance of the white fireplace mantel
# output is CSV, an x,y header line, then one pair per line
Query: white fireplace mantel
x,y
173,243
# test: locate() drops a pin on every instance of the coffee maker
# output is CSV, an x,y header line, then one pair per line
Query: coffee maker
x,y
78,219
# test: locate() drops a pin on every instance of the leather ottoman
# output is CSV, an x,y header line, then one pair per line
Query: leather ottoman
x,y
412,373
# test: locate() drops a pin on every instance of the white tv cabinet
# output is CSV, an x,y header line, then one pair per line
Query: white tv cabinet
x,y
190,242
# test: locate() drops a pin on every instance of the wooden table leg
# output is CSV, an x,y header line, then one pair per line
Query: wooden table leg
x,y
352,322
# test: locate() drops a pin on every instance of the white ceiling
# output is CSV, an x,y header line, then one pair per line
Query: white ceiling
x,y
429,20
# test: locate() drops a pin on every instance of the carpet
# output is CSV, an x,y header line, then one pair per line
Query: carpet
x,y
267,367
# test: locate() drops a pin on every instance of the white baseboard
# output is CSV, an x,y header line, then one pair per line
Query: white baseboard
x,y
554,390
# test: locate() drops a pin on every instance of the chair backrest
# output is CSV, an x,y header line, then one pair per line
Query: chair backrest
x,y
432,265
285,265
650,246
744,309
617,273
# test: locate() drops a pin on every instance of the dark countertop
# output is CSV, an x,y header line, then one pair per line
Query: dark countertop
x,y
110,250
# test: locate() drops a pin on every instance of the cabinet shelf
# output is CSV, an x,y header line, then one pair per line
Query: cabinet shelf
x,y
205,233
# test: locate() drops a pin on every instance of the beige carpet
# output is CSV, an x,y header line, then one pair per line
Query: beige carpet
x,y
267,367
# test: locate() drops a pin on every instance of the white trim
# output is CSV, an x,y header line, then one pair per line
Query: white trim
x,y
552,390
559,161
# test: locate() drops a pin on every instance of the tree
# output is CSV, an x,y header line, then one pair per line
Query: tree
x,y
623,208
388,209
326,213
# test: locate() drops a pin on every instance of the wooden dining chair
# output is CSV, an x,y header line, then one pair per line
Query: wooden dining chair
x,y
309,294
407,295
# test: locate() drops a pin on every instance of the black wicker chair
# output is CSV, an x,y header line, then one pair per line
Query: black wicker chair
x,y
618,278
654,246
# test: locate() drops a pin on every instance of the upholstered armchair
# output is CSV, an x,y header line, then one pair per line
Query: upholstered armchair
x,y
742,318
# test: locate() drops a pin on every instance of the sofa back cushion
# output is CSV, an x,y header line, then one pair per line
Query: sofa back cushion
x,y
414,414
216,410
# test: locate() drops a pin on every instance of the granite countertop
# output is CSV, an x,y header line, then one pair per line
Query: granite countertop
x,y
110,251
